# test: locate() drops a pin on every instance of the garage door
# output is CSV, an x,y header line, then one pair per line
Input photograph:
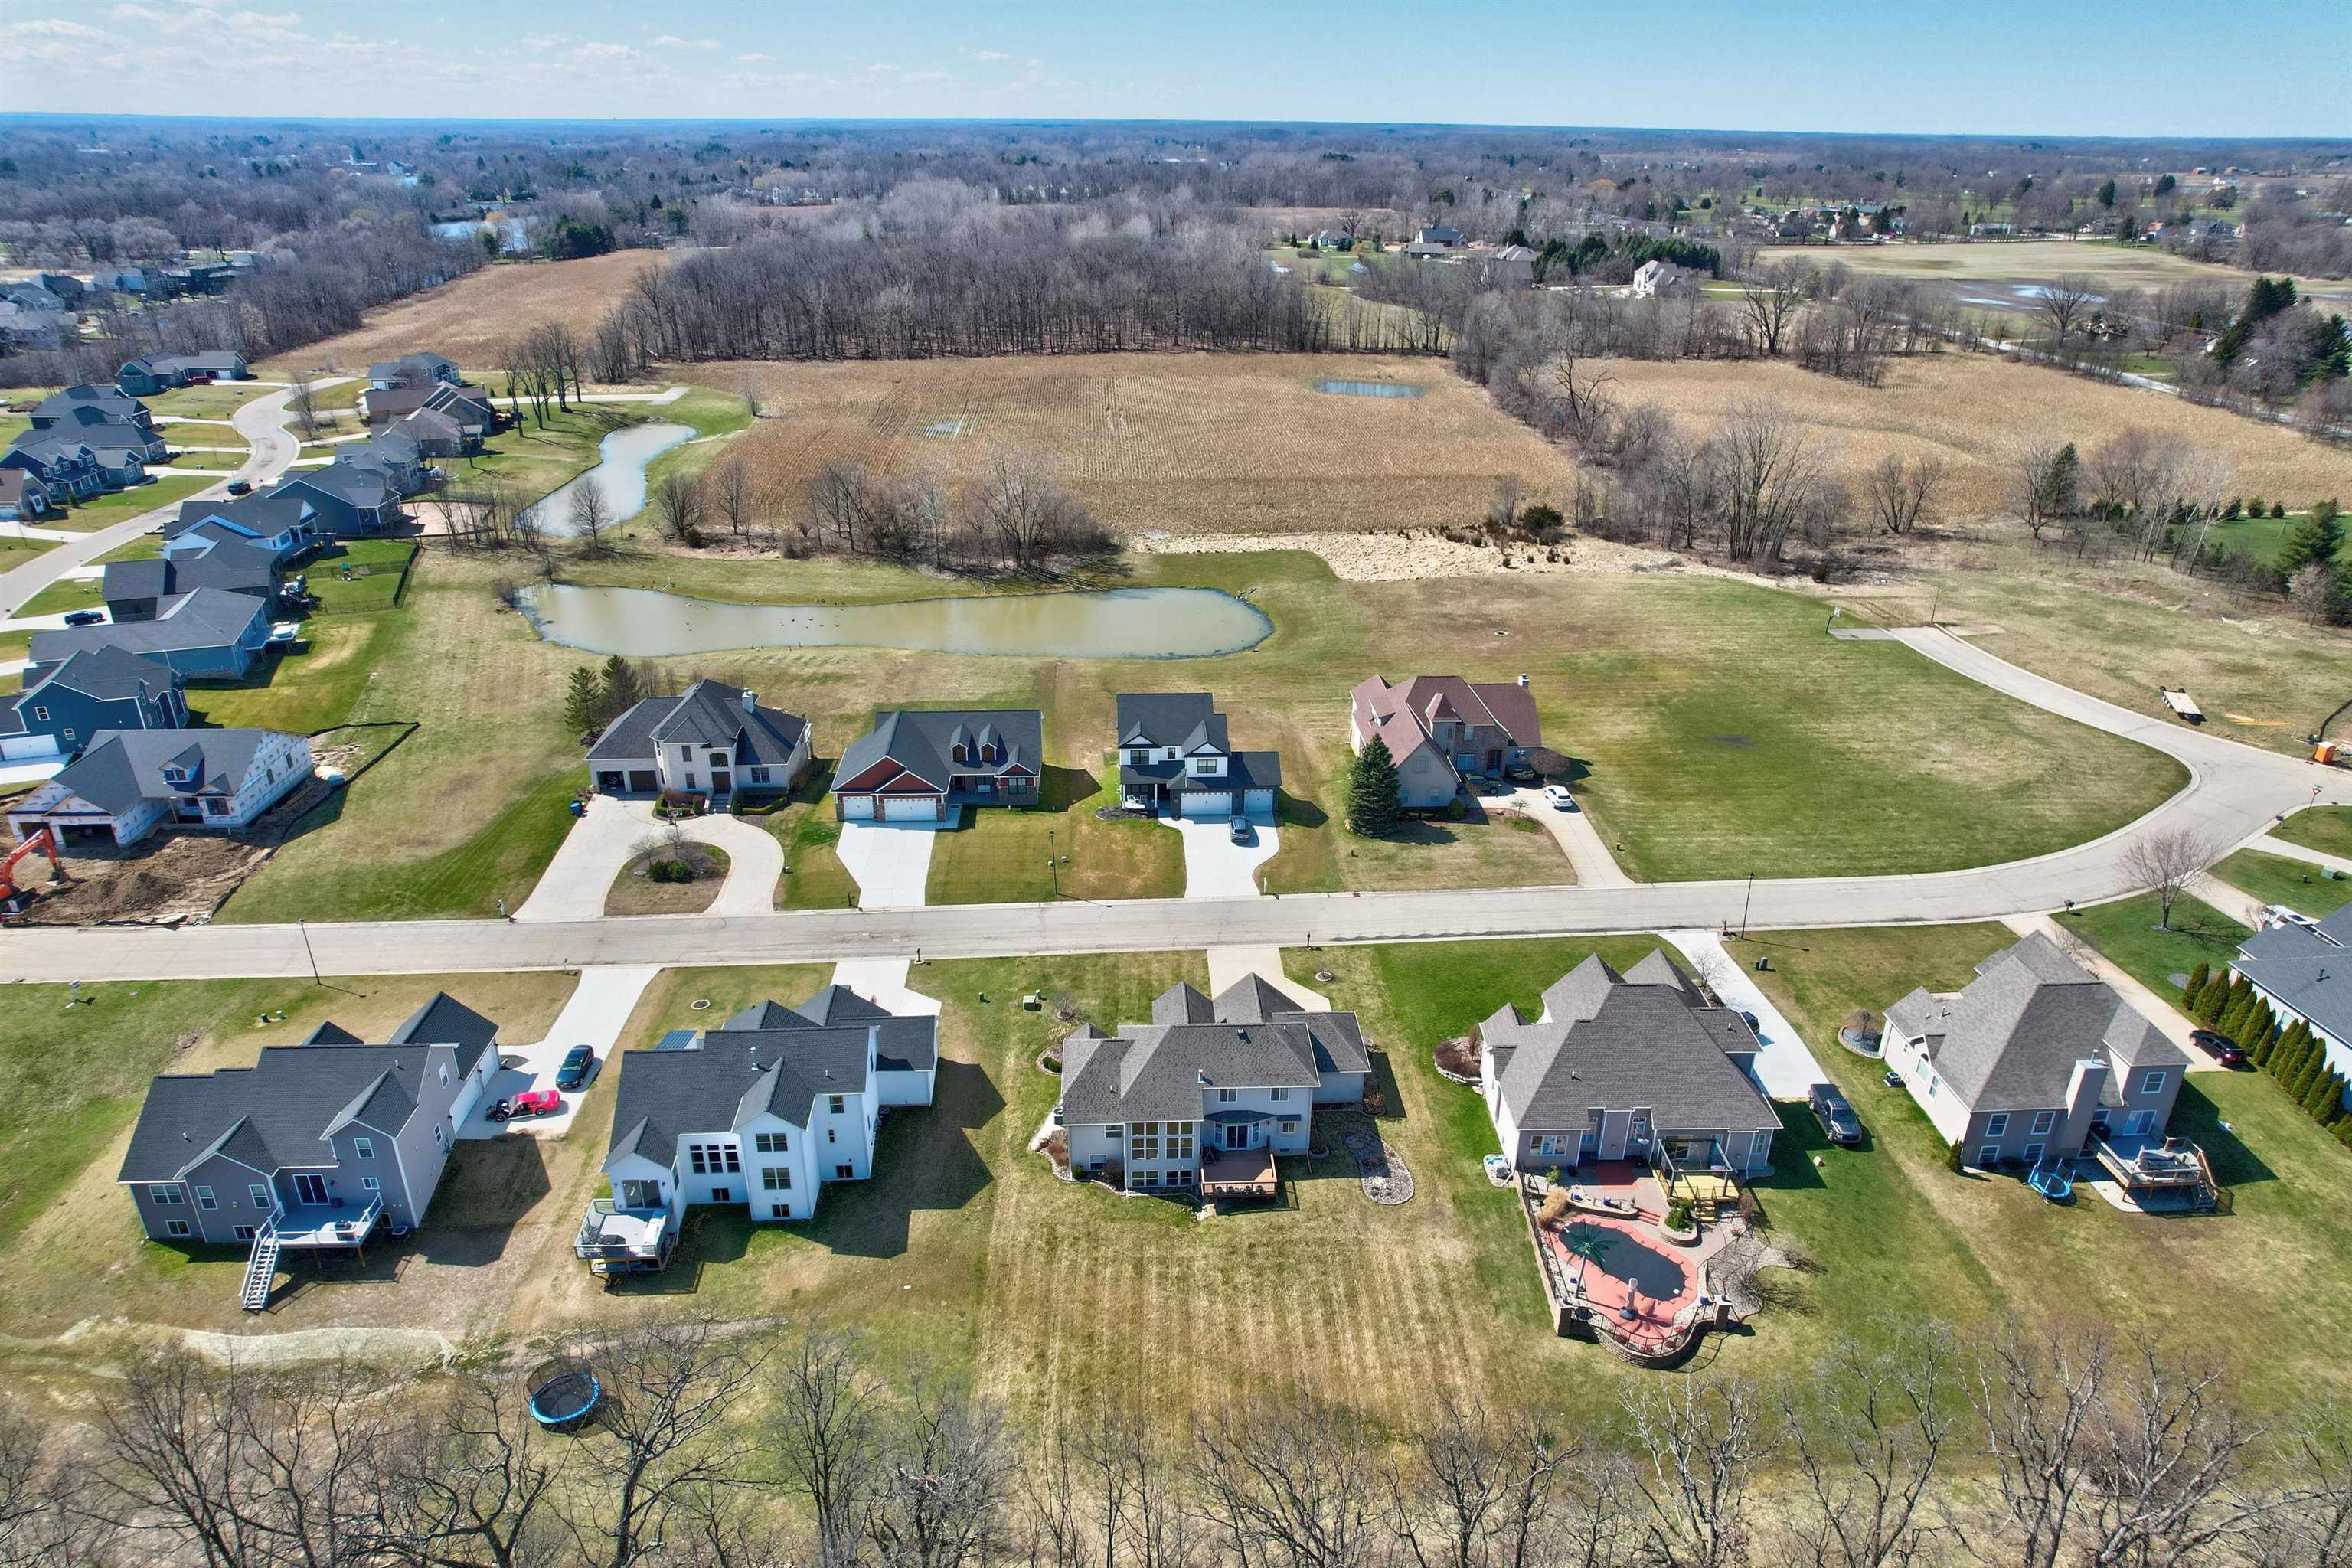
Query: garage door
x,y
1261,802
642,780
1209,805
857,807
910,808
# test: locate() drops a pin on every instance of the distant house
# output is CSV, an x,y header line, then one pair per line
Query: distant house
x,y
76,408
205,634
757,1115
919,765
409,369
315,1145
127,784
1511,267
65,467
1444,236
63,705
1331,240
122,449
1654,277
378,404
1209,1093
138,590
437,434
25,327
346,500
2305,972
469,405
713,739
1631,1067
2031,1058
1173,753
398,460
150,374
1439,727
285,525
23,496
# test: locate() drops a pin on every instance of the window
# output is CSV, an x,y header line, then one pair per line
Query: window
x,y
440,1136
40,715
722,1194
1289,1125
1147,1178
839,1104
1179,1178
1282,1094
370,1184
445,1075
2043,1120
685,753
1141,755
246,1233
845,1172
780,1211
165,1192
2154,1082
1205,765
1989,1156
1180,1140
1145,1141
260,1196
175,1228
772,1142
2033,1152
759,776
713,1159
363,1149
1997,1124
776,1178
205,1199
1227,1096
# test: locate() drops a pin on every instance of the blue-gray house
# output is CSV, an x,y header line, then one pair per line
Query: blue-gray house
x,y
347,500
93,689
205,634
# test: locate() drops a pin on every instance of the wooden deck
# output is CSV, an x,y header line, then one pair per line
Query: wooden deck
x,y
1238,1174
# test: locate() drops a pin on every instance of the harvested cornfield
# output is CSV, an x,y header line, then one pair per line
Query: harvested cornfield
x,y
1973,411
471,318
1185,443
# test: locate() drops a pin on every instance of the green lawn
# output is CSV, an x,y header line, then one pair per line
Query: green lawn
x,y
536,458
813,876
2326,828
999,855
2128,933
2299,885
374,568
216,401
62,595
166,489
146,547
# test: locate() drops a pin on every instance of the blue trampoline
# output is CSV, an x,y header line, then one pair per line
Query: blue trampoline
x,y
2050,1180
564,1398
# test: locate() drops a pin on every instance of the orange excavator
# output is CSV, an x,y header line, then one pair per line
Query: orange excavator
x,y
42,840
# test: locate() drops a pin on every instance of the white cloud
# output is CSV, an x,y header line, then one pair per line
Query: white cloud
x,y
599,51
755,60
669,41
989,54
49,27
881,65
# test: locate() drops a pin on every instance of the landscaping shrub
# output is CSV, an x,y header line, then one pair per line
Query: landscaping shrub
x,y
1679,1217
1955,1161
1554,1210
669,871
1455,810
2199,978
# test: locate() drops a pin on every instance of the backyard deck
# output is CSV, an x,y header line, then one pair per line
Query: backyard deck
x,y
1238,1174
623,1241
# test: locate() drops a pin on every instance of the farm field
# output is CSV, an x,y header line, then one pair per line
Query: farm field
x,y
1973,410
2033,261
471,318
1187,443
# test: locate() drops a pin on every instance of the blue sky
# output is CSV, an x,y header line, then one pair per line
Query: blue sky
x,y
2052,68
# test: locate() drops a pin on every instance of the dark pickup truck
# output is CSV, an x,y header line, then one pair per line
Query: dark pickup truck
x,y
1839,1123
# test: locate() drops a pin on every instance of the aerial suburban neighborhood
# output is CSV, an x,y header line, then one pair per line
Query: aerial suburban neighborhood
x,y
934,804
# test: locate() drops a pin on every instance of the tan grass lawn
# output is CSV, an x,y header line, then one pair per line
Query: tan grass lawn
x,y
1973,410
636,893
470,319
2030,261
1196,443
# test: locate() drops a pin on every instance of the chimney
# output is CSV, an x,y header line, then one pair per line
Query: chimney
x,y
1523,683
751,701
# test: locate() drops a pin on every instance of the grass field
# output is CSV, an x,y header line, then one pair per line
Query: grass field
x,y
216,401
2031,261
2128,934
375,567
2299,885
534,459
1188,443
165,489
2326,828
1973,410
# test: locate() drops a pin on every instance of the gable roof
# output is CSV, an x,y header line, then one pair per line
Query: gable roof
x,y
1185,720
1606,1041
706,713
2306,968
443,1020
106,675
13,484
199,618
1157,1071
277,1113
922,742
124,767
725,1079
1402,716
353,484
2010,1041
261,515
235,566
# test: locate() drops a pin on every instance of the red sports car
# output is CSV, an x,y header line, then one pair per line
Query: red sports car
x,y
533,1102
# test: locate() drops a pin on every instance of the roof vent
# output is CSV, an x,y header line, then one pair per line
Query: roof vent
x,y
1523,682
1203,1076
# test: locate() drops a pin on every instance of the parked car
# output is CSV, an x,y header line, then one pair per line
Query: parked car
x,y
2222,1048
579,1067
240,487
1839,1123
1239,829
85,618
1559,798
531,1102
1519,772
1892,1079
200,378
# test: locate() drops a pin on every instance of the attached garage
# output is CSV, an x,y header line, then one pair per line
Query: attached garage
x,y
857,807
643,781
910,808
1259,802
1207,802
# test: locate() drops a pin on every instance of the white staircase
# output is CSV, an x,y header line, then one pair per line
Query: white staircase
x,y
261,1268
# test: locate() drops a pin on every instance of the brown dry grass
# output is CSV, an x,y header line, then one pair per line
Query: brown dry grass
x,y
2033,261
1973,411
1191,443
469,320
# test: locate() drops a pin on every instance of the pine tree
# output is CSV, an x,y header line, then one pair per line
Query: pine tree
x,y
2300,1085
2288,1059
1374,803
2216,1001
2316,538
2264,1052
584,702
2233,1013
2198,978
2326,1089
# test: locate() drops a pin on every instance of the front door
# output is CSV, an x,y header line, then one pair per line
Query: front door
x,y
1237,1137
721,782
310,1189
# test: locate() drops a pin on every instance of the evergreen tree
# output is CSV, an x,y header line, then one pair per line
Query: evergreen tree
x,y
1374,803
2216,1002
2317,537
622,687
2287,1058
2326,1089
2198,978
2305,1069
584,701
2259,1025
2234,1016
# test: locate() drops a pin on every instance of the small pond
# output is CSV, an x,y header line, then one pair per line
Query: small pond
x,y
1648,1270
1121,623
1369,388
620,473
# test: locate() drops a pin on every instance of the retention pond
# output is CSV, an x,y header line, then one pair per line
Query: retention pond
x,y
1120,623
619,474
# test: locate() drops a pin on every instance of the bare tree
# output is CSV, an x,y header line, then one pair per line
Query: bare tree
x,y
1503,508
42,1521
838,503
824,1430
730,493
302,401
1869,1431
589,515
1477,1490
2306,1522
1288,1481
1698,1443
1768,472
2044,481
2133,472
2066,302
472,1480
2165,860
1770,297
945,1498
2313,589
679,507
1902,492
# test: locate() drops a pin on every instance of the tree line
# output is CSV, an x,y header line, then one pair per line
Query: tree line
x,y
718,1446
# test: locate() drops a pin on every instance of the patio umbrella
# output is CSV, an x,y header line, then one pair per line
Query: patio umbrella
x,y
1589,1243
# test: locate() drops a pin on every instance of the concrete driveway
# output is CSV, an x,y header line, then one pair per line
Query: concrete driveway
x,y
604,840
599,1007
891,862
1230,965
883,981
1574,833
1217,868
1785,1067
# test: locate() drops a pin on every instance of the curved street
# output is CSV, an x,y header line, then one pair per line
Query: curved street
x,y
261,422
2235,793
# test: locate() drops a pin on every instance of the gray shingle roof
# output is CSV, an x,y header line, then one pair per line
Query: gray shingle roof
x,y
123,767
234,567
356,484
265,515
1185,720
108,675
707,713
200,618
730,1076
444,1020
1157,1071
275,1114
921,741
2012,1037
909,1044
2309,971
1607,1041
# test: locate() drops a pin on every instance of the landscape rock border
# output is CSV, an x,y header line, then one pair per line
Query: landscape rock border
x,y
1387,1179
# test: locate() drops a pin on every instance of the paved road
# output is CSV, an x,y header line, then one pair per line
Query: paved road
x,y
262,422
2235,793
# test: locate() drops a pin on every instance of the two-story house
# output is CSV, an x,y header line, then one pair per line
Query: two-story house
x,y
1209,1093
346,500
711,740
285,525
924,766
64,467
64,706
1439,727
758,1115
2303,971
1173,753
2031,1058
127,784
1631,1067
138,590
205,634
398,459
80,409
314,1145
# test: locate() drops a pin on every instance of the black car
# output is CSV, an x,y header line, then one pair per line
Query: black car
x,y
85,618
1839,1123
2222,1048
240,487
579,1065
